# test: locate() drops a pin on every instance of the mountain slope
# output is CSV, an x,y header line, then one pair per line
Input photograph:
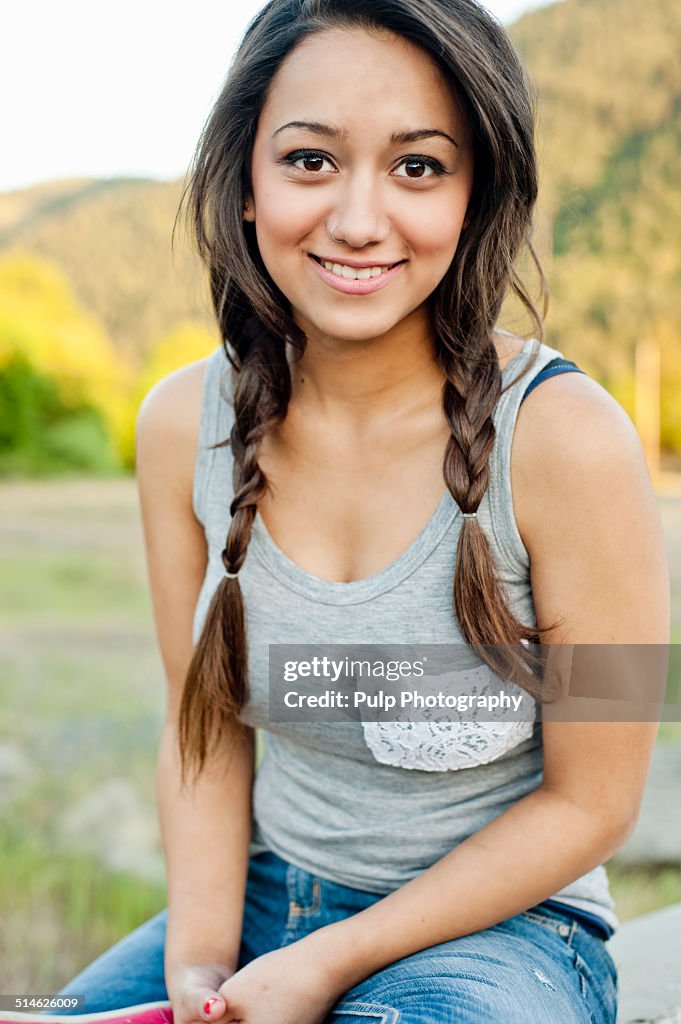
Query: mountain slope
x,y
608,76
113,240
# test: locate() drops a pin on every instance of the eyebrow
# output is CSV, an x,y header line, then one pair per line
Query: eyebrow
x,y
396,138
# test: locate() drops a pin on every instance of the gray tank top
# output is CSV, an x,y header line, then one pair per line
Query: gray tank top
x,y
323,798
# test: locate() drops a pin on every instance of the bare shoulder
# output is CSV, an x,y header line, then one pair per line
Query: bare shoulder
x,y
573,443
571,423
586,509
166,444
167,427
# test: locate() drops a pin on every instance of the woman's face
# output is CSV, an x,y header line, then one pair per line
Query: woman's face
x,y
330,153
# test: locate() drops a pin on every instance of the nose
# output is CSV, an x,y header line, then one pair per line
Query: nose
x,y
359,218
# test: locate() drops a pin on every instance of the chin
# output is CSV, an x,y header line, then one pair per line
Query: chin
x,y
353,333
355,325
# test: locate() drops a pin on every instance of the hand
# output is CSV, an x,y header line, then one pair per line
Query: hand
x,y
285,986
193,992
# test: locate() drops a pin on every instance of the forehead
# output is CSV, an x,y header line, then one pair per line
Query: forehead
x,y
361,80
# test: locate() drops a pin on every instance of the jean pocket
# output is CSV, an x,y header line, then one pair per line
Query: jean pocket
x,y
597,986
304,892
611,967
598,974
594,968
363,1013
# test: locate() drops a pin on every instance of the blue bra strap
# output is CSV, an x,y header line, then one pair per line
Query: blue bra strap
x,y
557,365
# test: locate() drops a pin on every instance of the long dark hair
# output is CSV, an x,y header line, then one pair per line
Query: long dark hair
x,y
479,61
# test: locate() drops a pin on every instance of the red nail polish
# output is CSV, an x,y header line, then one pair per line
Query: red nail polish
x,y
209,1005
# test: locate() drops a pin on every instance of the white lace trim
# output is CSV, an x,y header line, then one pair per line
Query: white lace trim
x,y
465,738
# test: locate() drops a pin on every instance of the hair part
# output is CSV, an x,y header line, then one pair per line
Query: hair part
x,y
479,62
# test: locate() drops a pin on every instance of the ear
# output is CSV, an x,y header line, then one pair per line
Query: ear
x,y
249,209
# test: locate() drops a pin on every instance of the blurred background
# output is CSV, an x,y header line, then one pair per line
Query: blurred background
x,y
102,109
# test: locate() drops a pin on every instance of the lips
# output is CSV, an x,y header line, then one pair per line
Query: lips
x,y
351,285
355,264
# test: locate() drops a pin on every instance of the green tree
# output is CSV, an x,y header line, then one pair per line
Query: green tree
x,y
41,434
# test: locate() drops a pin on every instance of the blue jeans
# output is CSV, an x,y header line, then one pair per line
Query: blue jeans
x,y
539,967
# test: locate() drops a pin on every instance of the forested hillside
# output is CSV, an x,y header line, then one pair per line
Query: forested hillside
x,y
608,78
113,240
608,74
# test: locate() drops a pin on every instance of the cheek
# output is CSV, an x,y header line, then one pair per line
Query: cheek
x,y
281,222
433,232
284,215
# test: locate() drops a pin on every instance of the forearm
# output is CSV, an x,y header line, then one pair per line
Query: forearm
x,y
531,851
206,832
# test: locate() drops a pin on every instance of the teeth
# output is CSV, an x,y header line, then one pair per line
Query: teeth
x,y
352,273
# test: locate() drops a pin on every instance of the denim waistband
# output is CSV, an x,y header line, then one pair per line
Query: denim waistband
x,y
299,884
591,923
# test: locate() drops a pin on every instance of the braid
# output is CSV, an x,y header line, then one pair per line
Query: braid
x,y
216,687
470,394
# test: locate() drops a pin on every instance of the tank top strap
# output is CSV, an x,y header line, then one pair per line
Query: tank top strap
x,y
555,366
548,361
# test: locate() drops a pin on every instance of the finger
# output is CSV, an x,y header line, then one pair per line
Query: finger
x,y
212,1005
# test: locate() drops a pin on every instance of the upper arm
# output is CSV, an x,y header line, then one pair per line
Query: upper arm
x,y
587,514
167,434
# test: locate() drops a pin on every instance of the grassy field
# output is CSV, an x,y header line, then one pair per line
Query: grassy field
x,y
82,697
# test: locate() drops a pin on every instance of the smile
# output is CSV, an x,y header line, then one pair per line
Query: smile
x,y
355,280
354,273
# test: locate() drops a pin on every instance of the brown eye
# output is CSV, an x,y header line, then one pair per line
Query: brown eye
x,y
421,167
312,163
415,169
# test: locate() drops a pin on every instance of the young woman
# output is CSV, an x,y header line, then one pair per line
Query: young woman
x,y
380,464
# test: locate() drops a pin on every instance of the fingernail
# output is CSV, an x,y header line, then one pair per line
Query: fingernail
x,y
209,1005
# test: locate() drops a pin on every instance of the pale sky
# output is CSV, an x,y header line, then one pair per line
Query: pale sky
x,y
95,89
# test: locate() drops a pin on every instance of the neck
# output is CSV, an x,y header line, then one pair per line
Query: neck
x,y
358,382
